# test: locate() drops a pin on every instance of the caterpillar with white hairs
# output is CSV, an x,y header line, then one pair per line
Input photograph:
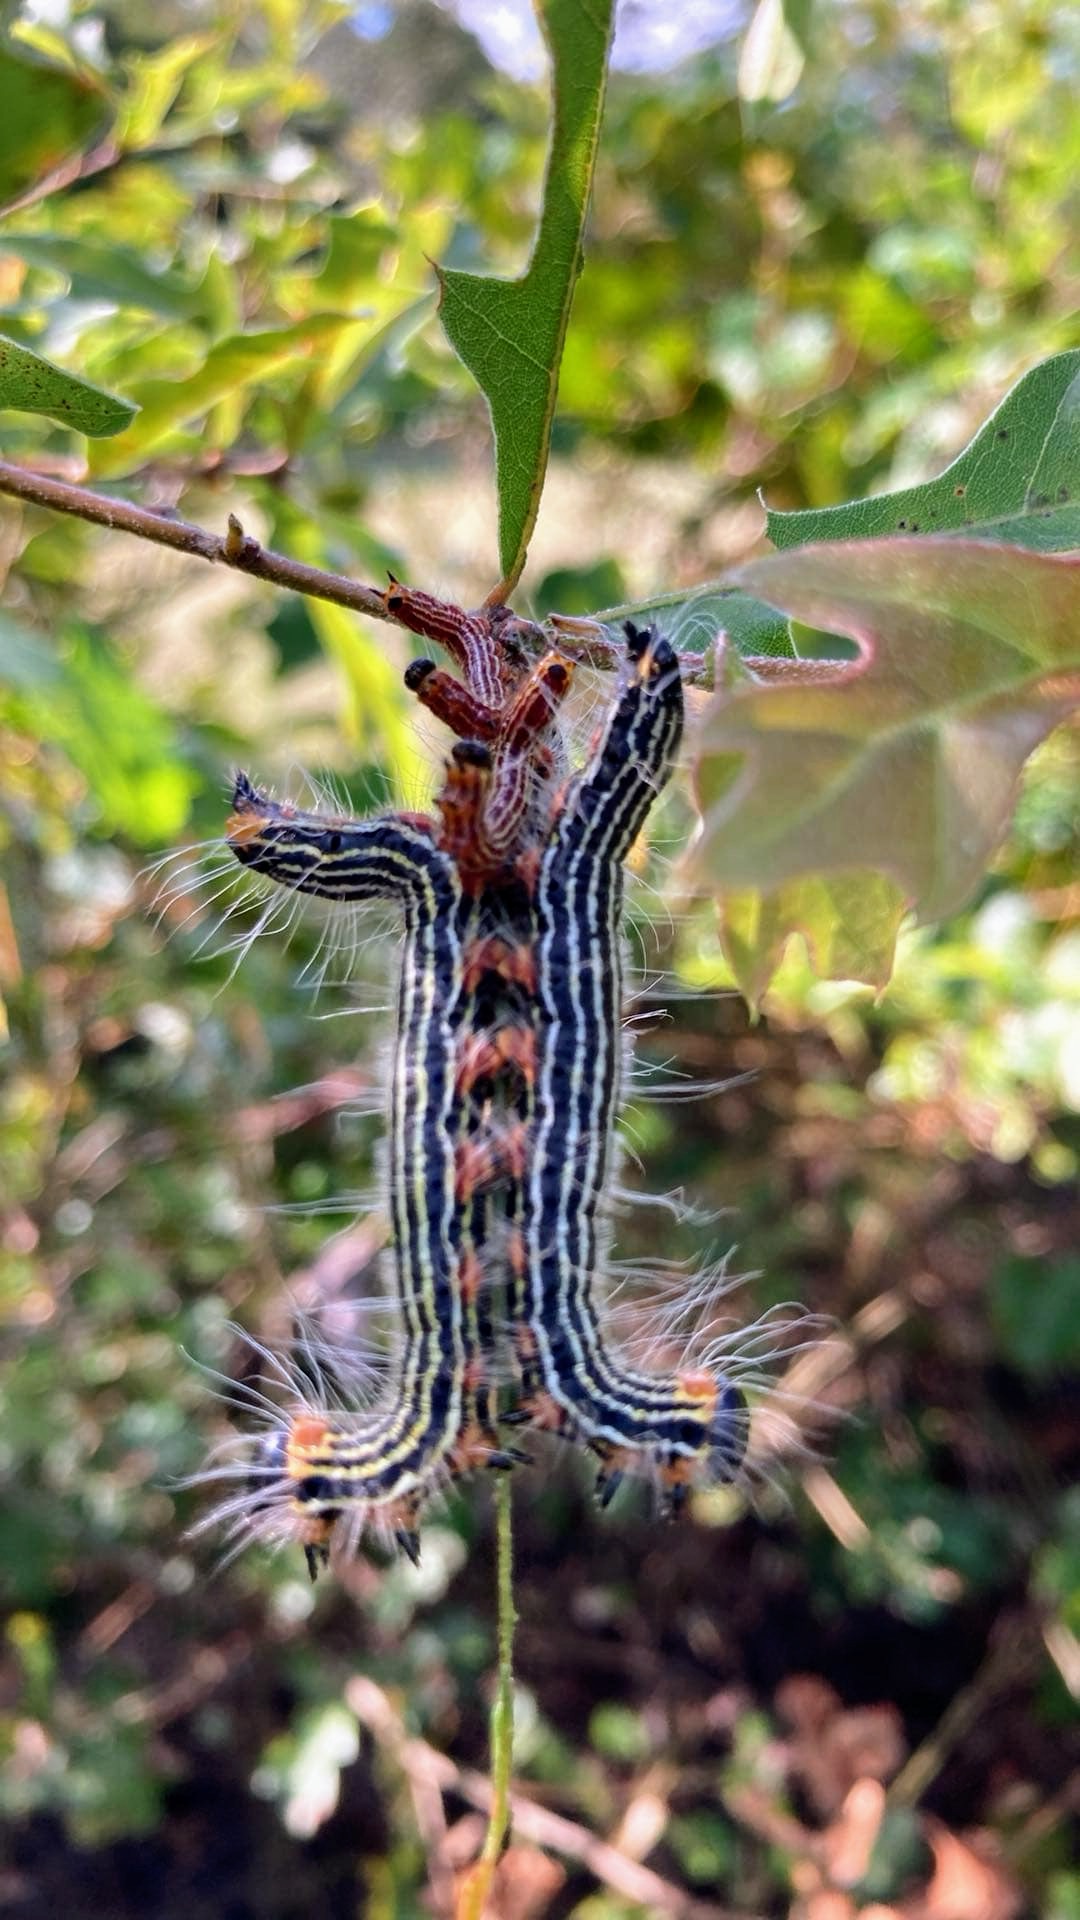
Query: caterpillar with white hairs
x,y
505,1090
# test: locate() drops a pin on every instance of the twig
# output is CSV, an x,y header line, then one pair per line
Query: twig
x,y
1011,1658
477,1885
232,549
76,167
532,1822
238,549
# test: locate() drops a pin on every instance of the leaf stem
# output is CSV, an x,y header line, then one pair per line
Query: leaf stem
x,y
232,549
477,1884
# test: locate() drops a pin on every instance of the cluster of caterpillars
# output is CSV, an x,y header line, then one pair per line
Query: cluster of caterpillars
x,y
504,1092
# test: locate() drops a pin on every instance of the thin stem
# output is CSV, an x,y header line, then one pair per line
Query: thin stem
x,y
583,639
232,549
477,1884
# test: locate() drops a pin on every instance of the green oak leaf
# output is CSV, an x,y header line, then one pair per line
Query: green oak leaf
x,y
693,617
1024,459
906,759
153,82
510,333
33,385
50,112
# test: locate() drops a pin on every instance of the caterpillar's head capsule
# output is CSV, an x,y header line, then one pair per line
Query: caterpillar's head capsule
x,y
281,840
286,1499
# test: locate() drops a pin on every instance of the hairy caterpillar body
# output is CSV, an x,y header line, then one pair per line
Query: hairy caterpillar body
x,y
505,1090
695,1423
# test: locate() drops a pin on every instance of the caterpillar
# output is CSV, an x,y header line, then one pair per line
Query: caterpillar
x,y
695,1423
505,1089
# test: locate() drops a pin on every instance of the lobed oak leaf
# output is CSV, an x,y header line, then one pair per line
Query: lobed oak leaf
x,y
904,760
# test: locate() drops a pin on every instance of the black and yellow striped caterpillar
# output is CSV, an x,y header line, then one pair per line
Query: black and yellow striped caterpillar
x,y
505,1089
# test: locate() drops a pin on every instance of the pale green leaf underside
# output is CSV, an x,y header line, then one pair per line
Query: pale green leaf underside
x,y
905,760
797,843
510,333
849,922
30,384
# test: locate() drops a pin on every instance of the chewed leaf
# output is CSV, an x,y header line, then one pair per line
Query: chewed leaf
x,y
1023,460
510,333
30,384
906,759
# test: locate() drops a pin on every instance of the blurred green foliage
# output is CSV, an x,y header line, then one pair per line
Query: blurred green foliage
x,y
821,297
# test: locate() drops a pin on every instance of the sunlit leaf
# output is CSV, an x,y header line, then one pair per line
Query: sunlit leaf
x,y
771,61
99,271
849,922
510,333
30,384
356,246
48,113
230,366
906,760
86,702
1025,458
154,80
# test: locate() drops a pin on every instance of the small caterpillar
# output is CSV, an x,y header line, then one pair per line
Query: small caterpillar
x,y
505,1090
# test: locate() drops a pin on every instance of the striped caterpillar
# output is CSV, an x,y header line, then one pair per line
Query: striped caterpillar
x,y
505,1089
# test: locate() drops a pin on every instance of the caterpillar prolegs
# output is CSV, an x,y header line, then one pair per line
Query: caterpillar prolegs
x,y
505,1089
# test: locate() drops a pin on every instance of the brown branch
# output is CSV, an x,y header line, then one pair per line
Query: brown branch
x,y
232,549
77,166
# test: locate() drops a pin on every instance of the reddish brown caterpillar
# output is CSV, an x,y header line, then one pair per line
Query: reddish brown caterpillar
x,y
505,1090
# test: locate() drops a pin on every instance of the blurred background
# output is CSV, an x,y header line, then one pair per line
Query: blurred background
x,y
815,266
